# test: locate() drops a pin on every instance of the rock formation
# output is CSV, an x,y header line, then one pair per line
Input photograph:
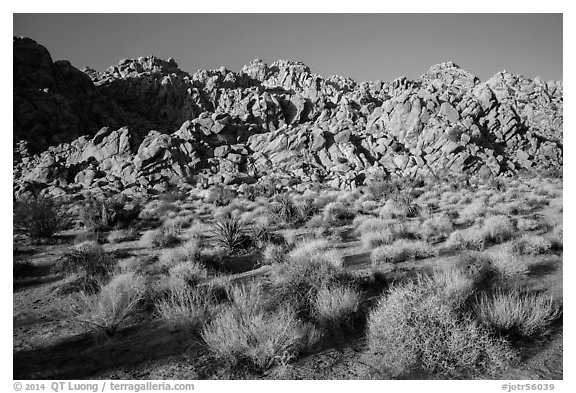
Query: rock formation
x,y
146,125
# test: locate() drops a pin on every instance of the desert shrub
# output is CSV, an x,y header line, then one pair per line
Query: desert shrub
x,y
401,250
112,306
536,201
187,252
180,222
556,237
261,235
190,273
498,228
325,198
335,306
336,211
220,196
122,235
472,211
286,210
414,327
514,208
457,285
197,231
90,261
405,201
518,314
382,187
377,239
230,233
132,264
473,238
299,280
508,266
188,307
436,227
368,206
245,334
160,238
531,244
482,270
103,214
392,210
40,217
307,249
372,224
274,254
528,224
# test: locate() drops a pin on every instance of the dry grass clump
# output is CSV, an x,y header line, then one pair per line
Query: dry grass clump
x,y
287,211
187,307
414,327
473,238
377,239
197,230
512,208
531,245
187,252
392,210
123,235
160,238
367,206
556,237
245,333
516,313
364,224
536,201
309,249
377,232
335,212
299,280
401,250
189,273
495,229
90,261
112,306
437,227
132,264
335,306
508,265
528,224
473,211
274,254
498,228
179,222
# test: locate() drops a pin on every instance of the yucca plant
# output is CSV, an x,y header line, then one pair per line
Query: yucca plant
x,y
230,233
286,210
406,201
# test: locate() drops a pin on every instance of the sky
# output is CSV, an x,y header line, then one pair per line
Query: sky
x,y
360,46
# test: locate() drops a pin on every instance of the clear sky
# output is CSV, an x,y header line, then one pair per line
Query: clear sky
x,y
361,46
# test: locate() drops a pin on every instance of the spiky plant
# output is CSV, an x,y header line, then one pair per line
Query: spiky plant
x,y
230,233
286,210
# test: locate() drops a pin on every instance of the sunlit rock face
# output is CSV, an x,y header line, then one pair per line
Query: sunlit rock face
x,y
145,124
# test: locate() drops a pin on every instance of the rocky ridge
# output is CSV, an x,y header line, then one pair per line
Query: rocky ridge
x,y
145,125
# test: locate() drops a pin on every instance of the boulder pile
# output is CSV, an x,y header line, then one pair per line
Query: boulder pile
x,y
144,125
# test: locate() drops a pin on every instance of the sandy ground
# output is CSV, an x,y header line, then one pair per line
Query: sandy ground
x,y
45,347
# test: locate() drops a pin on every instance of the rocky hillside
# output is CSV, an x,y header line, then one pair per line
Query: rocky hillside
x,y
146,125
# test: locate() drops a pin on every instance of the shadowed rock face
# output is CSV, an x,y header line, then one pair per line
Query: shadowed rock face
x,y
146,124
